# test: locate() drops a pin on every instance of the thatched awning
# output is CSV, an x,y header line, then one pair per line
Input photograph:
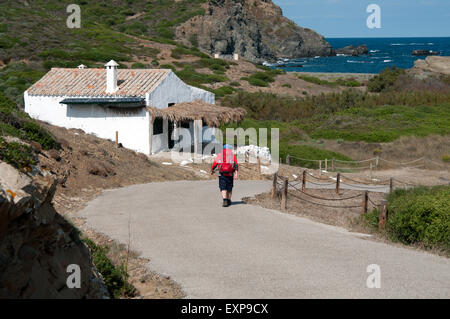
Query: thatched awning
x,y
212,115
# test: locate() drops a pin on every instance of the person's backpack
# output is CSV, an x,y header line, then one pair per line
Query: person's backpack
x,y
226,168
226,163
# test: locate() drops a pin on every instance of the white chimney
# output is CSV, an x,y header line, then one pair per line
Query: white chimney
x,y
81,67
111,77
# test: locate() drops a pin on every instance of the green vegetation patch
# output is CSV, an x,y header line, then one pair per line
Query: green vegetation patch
x,y
14,122
352,115
16,154
116,278
385,80
419,216
338,82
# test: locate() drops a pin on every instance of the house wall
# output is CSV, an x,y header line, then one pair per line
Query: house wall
x,y
132,125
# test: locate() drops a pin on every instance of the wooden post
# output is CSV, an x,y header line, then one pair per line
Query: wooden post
x,y
364,202
117,138
288,160
332,165
371,175
423,161
259,165
304,181
326,165
284,193
198,143
338,182
320,167
383,215
377,161
274,185
391,185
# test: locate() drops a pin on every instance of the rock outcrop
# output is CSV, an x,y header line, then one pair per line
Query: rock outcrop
x,y
353,51
431,66
37,244
254,29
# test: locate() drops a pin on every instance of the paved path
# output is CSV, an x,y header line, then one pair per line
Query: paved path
x,y
246,251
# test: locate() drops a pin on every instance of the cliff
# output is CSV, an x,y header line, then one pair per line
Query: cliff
x,y
37,244
255,29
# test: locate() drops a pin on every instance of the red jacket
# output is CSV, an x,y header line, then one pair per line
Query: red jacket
x,y
226,157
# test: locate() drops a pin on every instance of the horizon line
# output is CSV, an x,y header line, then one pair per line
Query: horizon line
x,y
371,37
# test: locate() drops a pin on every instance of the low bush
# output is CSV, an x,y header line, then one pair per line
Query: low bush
x,y
18,155
224,90
258,82
385,80
446,158
116,278
420,216
190,76
138,65
338,82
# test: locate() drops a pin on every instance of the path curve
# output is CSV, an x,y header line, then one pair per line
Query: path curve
x,y
246,251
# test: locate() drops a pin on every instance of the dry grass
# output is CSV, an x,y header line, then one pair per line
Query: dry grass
x,y
405,149
342,217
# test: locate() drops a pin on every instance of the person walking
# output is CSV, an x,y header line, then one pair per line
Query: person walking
x,y
228,171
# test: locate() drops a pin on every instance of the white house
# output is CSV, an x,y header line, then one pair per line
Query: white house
x,y
111,101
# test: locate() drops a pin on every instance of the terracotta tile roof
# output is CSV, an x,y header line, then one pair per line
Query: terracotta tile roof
x,y
92,82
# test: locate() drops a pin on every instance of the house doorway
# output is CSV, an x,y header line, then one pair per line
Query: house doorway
x,y
171,129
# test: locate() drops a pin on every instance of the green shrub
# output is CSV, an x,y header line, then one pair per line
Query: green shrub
x,y
116,278
34,132
420,216
385,79
190,76
138,65
257,82
263,76
234,83
16,154
287,85
224,90
446,158
168,66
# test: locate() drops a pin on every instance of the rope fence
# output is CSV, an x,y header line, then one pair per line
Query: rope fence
x,y
282,185
353,165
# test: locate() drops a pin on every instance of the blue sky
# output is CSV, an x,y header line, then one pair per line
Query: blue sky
x,y
347,18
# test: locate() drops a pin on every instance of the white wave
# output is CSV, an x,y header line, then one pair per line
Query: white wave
x,y
352,61
387,61
374,51
413,43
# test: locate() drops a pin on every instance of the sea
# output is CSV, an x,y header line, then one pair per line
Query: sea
x,y
383,53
